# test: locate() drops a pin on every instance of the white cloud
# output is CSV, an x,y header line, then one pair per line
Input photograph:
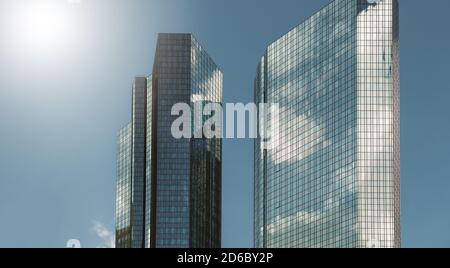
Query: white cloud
x,y
285,223
107,237
213,82
296,146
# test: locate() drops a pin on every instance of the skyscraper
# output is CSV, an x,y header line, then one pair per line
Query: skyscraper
x,y
333,180
123,200
168,189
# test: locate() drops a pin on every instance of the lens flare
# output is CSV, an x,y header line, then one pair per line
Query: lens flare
x,y
41,26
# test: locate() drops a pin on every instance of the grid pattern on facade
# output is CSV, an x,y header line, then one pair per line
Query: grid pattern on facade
x,y
378,116
310,190
172,73
205,187
396,110
260,153
138,164
149,166
171,195
123,200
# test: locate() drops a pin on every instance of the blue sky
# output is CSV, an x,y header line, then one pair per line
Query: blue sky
x,y
64,94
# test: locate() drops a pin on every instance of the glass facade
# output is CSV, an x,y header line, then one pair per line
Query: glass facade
x,y
171,72
123,201
138,162
333,178
378,124
179,194
148,165
206,154
132,172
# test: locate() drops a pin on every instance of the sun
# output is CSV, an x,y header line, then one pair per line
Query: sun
x,y
41,26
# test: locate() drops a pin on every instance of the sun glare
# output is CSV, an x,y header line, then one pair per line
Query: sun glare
x,y
42,26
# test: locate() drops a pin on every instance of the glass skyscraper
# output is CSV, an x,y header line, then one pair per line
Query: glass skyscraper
x,y
169,190
123,200
333,180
